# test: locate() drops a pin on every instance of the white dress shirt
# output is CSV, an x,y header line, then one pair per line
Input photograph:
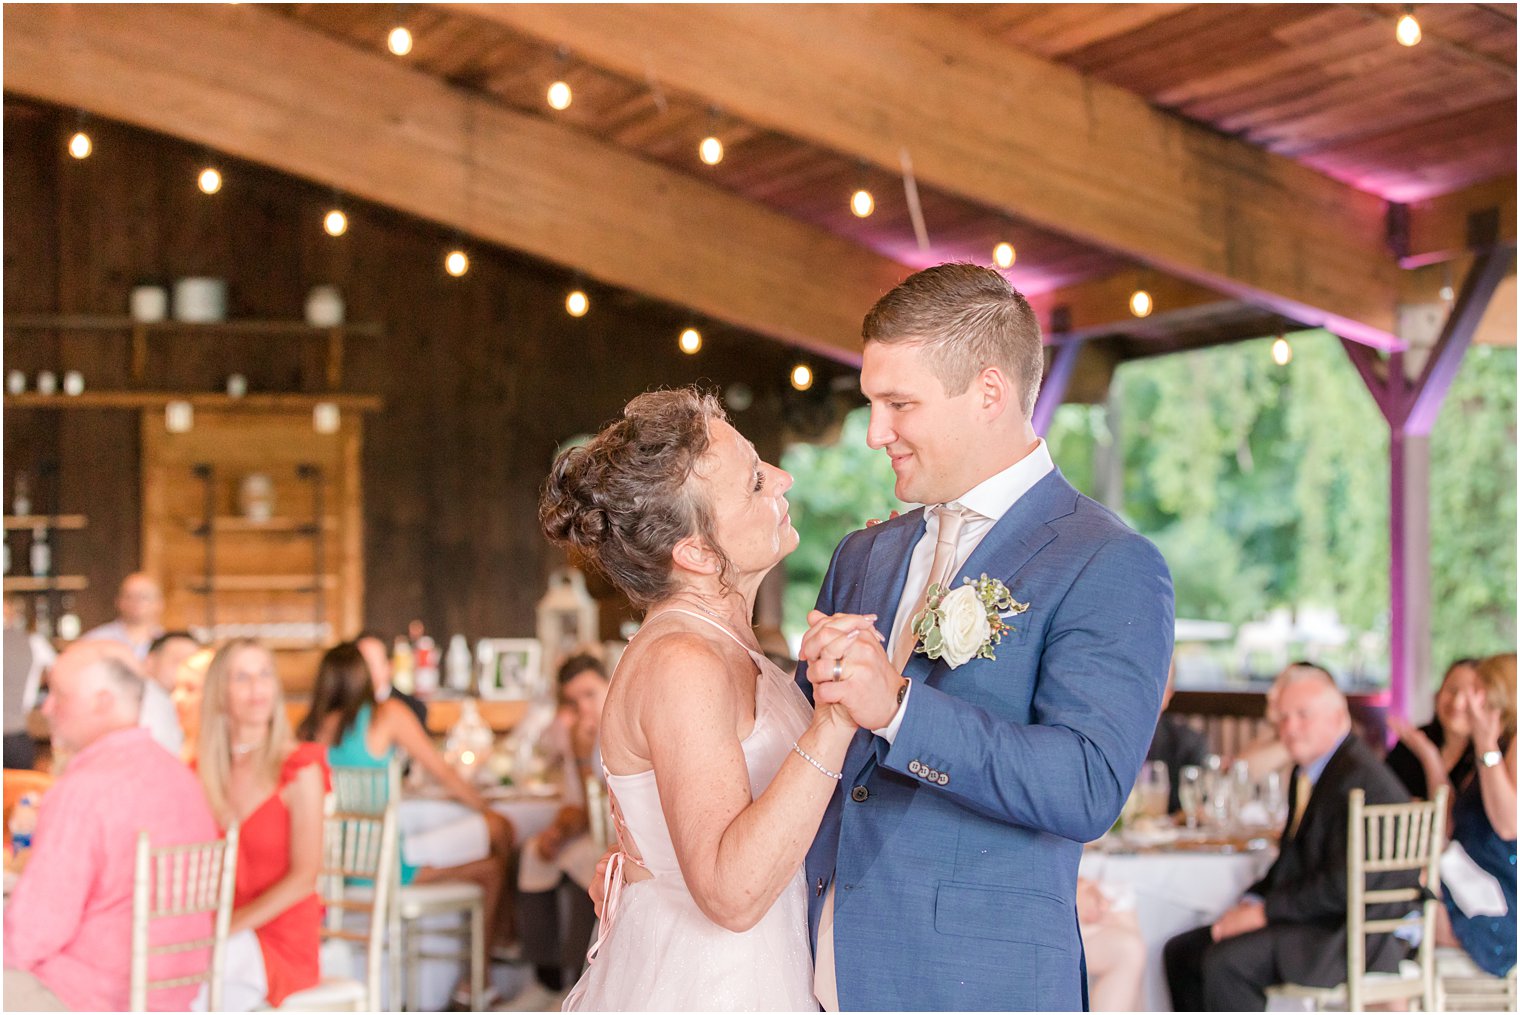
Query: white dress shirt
x,y
985,504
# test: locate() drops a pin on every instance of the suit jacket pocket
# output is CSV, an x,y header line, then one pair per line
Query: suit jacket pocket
x,y
1003,914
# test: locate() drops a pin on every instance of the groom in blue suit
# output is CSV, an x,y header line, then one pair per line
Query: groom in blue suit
x,y
944,875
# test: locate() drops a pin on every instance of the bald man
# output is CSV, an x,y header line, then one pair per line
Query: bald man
x,y
1291,925
68,923
139,611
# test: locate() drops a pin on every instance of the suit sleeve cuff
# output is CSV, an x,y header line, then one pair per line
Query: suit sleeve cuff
x,y
889,731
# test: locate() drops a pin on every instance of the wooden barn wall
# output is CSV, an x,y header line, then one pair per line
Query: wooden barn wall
x,y
482,377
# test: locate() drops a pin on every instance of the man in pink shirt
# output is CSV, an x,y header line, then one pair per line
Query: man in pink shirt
x,y
68,924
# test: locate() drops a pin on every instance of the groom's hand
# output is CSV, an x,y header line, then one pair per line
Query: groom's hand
x,y
850,645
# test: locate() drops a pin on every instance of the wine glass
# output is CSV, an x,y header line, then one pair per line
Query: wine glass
x,y
1190,793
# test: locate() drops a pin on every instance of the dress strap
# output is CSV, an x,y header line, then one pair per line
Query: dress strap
x,y
756,656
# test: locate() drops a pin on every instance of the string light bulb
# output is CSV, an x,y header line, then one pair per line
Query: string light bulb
x,y
1282,351
802,377
80,146
710,151
456,263
862,203
399,41
1407,31
560,95
210,180
690,341
1003,255
1140,303
335,223
577,303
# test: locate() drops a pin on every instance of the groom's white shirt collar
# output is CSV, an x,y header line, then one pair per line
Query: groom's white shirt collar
x,y
993,496
989,501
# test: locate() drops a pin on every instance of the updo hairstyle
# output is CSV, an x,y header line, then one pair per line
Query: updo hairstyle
x,y
623,502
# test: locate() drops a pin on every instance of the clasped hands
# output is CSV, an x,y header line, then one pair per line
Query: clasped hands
x,y
847,665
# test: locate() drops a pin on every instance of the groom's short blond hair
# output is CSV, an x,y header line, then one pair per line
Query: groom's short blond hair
x,y
967,318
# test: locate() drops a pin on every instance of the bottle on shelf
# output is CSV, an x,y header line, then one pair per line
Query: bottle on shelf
x,y
401,666
41,553
5,552
43,617
427,666
21,499
485,663
68,622
457,664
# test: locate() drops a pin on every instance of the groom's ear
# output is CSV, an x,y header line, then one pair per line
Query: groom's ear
x,y
995,395
692,554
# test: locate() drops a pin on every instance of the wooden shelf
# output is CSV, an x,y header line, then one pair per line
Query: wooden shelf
x,y
246,326
45,521
199,399
229,524
263,583
140,331
57,583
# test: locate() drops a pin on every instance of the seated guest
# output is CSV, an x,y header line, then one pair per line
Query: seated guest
x,y
561,860
1113,949
189,682
1449,731
254,773
378,657
159,715
360,733
1483,816
1291,925
68,923
1176,743
139,607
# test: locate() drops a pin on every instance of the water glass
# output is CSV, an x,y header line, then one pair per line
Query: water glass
x,y
1155,790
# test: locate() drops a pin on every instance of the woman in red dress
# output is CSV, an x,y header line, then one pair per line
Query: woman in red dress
x,y
255,773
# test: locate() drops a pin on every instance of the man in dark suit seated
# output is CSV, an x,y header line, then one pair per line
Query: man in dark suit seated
x,y
1176,743
377,655
1291,925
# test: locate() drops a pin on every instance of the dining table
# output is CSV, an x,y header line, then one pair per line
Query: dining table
x,y
1176,880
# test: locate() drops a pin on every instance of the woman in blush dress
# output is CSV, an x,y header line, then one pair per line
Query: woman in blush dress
x,y
719,769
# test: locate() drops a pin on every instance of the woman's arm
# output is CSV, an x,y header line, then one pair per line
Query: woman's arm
x,y
1497,783
736,853
1437,773
402,727
303,799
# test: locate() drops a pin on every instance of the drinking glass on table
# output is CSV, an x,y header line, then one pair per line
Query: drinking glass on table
x,y
1155,789
1190,793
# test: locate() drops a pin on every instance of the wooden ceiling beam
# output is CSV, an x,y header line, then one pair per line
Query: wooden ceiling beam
x,y
995,125
1453,225
260,86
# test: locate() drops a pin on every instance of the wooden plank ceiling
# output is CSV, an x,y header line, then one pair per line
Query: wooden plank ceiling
x,y
1262,91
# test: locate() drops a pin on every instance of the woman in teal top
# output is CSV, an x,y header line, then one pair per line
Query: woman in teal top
x,y
361,733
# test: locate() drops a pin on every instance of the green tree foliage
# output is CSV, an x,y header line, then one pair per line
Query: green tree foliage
x,y
1264,486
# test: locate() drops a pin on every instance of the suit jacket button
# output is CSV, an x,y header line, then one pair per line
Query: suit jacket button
x,y
944,780
914,766
859,794
931,774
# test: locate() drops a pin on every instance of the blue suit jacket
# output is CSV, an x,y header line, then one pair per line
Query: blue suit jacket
x,y
954,850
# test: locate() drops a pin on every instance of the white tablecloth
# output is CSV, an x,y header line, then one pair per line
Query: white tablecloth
x,y
1175,892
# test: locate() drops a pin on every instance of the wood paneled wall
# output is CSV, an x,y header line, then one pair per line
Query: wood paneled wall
x,y
482,377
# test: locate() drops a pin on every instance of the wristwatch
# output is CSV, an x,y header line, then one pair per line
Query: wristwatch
x,y
902,692
1488,759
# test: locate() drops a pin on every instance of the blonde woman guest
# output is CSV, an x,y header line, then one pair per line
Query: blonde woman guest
x,y
1483,817
256,773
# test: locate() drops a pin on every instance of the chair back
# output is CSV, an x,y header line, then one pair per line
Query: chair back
x,y
360,841
18,783
174,881
599,812
1384,840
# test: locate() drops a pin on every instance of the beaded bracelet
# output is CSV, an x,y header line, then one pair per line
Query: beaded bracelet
x,y
836,776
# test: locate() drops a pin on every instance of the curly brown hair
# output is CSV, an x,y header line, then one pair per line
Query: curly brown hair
x,y
623,500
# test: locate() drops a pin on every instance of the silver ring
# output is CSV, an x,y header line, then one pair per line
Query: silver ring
x,y
839,669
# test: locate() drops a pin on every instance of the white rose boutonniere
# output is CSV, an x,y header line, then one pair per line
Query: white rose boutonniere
x,y
967,623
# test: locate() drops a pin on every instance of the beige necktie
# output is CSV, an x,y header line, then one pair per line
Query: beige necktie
x,y
940,572
1302,788
825,981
